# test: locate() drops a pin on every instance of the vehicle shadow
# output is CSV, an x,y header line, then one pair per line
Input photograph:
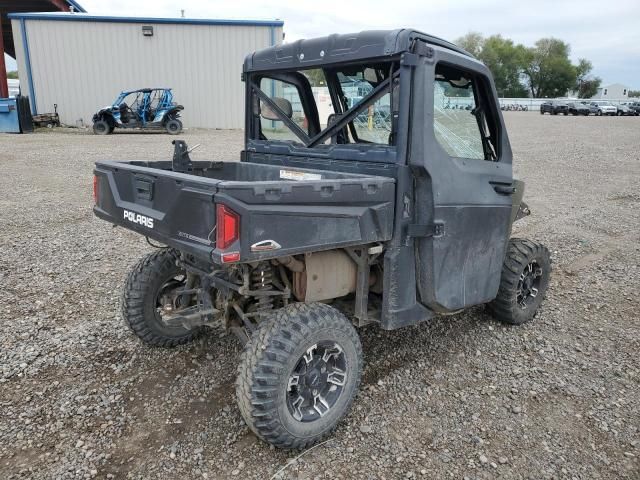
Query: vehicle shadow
x,y
432,342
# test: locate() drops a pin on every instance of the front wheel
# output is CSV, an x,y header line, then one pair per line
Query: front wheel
x,y
101,127
173,126
524,281
299,375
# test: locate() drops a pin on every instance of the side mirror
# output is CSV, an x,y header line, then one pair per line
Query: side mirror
x,y
283,104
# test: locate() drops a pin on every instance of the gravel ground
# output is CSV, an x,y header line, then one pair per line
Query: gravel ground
x,y
458,397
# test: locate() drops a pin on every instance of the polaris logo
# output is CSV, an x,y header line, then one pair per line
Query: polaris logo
x,y
139,219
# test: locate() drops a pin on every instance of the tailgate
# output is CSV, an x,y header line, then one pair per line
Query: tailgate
x,y
176,209
280,218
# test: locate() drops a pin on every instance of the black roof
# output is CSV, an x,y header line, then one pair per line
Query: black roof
x,y
340,48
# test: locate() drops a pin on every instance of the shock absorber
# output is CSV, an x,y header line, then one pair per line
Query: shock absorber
x,y
262,280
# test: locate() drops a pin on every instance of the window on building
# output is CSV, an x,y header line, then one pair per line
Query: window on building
x,y
605,91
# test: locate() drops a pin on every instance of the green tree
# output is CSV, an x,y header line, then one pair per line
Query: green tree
x,y
315,77
505,59
634,93
507,62
472,42
544,70
12,74
548,70
586,84
589,87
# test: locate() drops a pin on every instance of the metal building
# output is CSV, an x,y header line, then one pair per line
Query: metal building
x,y
6,34
81,62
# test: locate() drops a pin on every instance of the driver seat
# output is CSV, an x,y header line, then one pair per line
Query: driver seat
x,y
124,112
341,137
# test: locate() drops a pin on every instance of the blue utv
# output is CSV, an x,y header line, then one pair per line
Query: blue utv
x,y
147,109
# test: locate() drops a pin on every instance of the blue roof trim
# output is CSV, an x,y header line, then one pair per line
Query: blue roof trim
x,y
27,61
80,17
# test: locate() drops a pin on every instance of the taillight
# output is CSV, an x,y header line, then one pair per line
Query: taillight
x,y
230,257
227,227
95,189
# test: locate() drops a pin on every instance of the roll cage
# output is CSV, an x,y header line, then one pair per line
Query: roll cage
x,y
146,101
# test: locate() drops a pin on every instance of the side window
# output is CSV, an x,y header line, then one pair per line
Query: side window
x,y
459,123
287,97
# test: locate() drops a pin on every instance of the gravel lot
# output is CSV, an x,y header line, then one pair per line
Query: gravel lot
x,y
459,397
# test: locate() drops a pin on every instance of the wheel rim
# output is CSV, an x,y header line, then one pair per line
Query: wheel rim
x,y
173,126
101,127
167,299
529,284
316,382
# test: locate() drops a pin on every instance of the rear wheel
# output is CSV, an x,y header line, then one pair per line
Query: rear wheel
x,y
149,293
299,375
523,285
101,127
173,126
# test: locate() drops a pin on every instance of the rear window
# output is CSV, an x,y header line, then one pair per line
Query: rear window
x,y
303,107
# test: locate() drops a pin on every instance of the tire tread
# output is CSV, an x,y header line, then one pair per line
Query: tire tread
x,y
276,338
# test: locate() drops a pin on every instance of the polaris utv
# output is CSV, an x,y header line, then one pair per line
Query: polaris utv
x,y
330,222
147,108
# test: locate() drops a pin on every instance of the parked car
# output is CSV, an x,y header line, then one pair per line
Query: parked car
x,y
302,240
635,106
605,108
577,108
627,108
554,107
593,110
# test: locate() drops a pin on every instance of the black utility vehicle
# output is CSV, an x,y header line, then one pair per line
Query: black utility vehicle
x,y
577,108
390,211
554,107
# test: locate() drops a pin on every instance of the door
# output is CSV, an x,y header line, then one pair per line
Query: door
x,y
463,182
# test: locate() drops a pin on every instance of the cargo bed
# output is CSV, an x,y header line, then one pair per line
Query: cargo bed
x,y
299,210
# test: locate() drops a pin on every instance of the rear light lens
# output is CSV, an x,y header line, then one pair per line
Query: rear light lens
x,y
227,227
95,189
230,257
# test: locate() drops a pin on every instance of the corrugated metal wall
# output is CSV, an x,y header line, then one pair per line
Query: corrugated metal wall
x,y
83,65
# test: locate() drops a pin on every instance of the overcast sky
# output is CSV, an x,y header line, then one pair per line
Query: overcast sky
x,y
605,32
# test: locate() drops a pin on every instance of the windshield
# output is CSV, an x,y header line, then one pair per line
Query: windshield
x,y
345,105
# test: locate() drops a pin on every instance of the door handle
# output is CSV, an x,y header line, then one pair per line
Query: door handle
x,y
504,189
